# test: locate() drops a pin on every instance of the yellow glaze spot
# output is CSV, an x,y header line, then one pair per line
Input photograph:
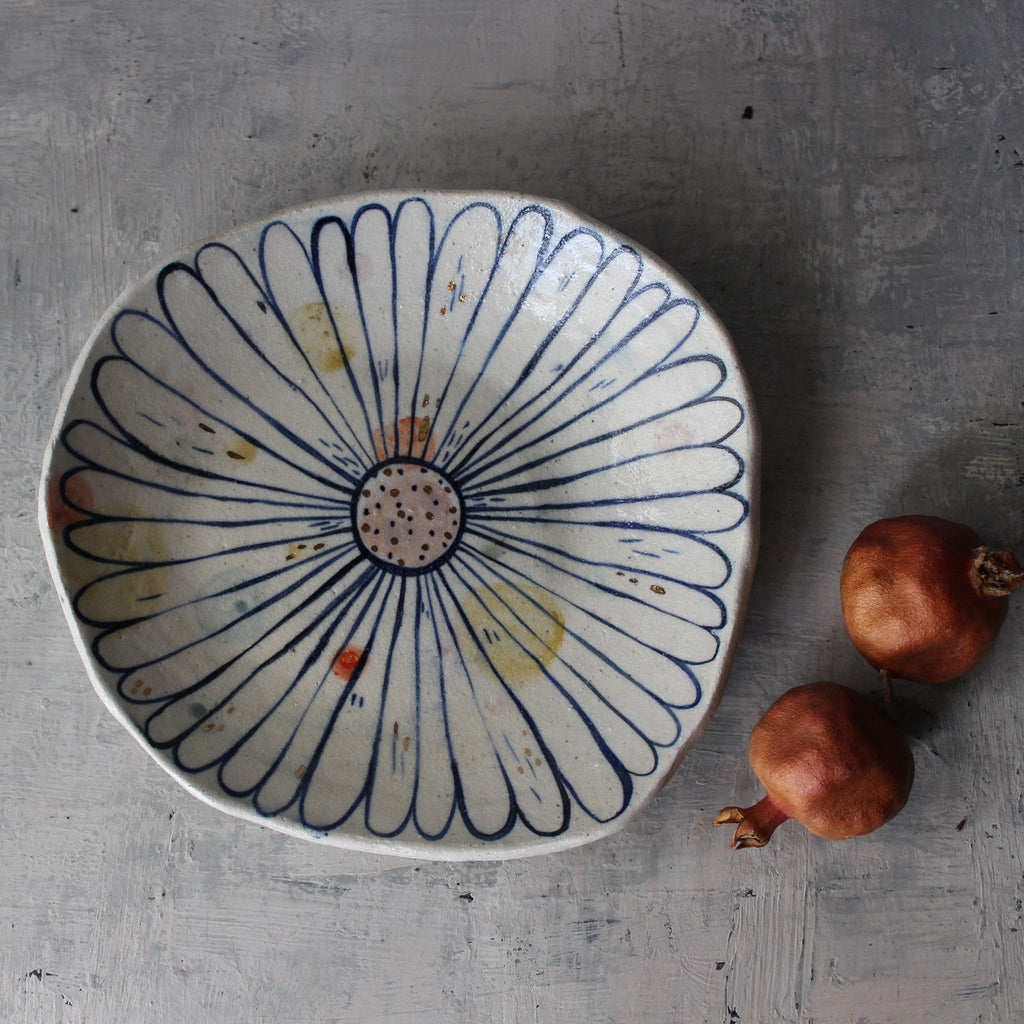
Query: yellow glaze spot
x,y
298,550
144,543
519,628
131,540
240,450
313,330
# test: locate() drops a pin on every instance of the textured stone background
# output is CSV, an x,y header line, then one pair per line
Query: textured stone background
x,y
844,183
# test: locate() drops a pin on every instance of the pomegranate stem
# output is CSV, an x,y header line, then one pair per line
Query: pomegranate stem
x,y
888,697
754,825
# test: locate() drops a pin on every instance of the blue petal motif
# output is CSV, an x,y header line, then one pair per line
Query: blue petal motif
x,y
411,524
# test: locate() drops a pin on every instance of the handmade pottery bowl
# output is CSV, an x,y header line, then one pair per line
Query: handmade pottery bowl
x,y
412,523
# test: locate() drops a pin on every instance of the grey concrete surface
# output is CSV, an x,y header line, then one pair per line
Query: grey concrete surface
x,y
844,183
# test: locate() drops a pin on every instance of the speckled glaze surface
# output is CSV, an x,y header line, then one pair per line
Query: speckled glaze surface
x,y
415,523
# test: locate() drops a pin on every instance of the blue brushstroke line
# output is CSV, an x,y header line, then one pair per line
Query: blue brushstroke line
x,y
611,759
510,581
347,238
538,738
518,408
279,652
425,607
467,472
535,484
330,727
332,481
331,554
471,465
90,463
194,273
522,215
256,609
478,303
366,586
624,595
353,443
544,262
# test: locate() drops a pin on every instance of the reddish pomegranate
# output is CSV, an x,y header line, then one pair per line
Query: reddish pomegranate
x,y
923,599
829,758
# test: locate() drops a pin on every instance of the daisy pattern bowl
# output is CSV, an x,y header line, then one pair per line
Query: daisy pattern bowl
x,y
414,523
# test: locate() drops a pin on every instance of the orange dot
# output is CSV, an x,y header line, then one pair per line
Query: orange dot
x,y
346,660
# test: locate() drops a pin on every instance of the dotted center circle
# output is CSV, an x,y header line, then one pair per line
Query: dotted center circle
x,y
407,516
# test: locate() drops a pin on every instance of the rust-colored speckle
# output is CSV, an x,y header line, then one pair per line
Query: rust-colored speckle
x,y
410,435
58,512
346,660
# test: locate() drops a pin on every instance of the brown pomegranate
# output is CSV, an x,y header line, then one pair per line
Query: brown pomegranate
x,y
923,599
829,758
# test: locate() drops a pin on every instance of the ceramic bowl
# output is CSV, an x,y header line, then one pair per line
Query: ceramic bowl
x,y
418,523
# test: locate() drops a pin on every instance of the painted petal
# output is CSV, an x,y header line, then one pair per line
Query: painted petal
x,y
524,632
274,756
551,298
172,662
635,640
484,681
339,270
217,347
628,477
166,371
341,772
99,448
631,636
292,331
435,786
623,391
650,556
149,541
227,578
518,260
393,787
581,340
221,678
628,590
339,690
414,239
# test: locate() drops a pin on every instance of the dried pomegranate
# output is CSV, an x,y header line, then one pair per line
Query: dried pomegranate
x,y
923,599
828,758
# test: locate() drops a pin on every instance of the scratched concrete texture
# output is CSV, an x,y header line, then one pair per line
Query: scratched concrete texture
x,y
844,183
